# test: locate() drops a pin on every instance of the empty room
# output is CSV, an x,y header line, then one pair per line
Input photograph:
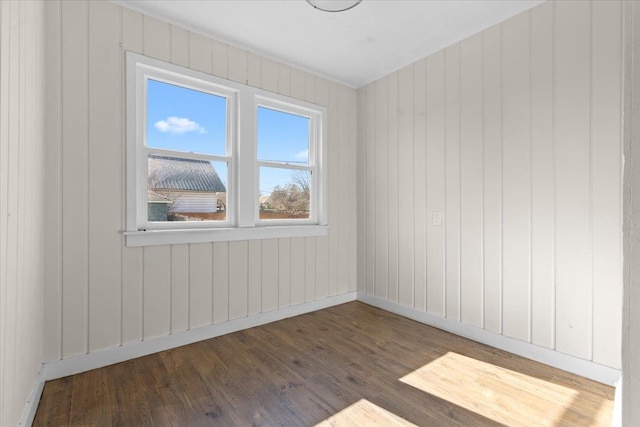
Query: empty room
x,y
319,213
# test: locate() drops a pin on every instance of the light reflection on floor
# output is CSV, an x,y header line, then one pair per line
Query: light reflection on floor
x,y
364,413
506,396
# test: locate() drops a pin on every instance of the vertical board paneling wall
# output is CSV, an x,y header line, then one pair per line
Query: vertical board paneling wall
x,y
22,203
514,134
101,294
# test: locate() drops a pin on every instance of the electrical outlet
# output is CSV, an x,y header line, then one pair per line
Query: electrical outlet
x,y
436,219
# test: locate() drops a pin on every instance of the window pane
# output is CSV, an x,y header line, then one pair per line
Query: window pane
x,y
282,137
185,120
284,193
186,190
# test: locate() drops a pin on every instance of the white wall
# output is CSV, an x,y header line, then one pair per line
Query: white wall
x,y
515,135
22,208
101,294
631,324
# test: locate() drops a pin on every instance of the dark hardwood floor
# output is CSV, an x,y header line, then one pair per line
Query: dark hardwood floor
x,y
347,365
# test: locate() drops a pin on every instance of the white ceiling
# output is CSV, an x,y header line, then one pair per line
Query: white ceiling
x,y
354,47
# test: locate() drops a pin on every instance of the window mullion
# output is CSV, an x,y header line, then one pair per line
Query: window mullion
x,y
246,170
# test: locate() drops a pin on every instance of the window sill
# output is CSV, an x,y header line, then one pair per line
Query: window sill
x,y
174,237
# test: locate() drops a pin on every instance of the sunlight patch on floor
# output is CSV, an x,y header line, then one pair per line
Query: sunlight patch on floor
x,y
506,396
364,413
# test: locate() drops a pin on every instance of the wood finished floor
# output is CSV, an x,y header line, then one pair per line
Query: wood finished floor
x,y
347,365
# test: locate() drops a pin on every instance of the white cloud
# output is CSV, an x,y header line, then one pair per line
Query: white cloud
x,y
303,155
178,125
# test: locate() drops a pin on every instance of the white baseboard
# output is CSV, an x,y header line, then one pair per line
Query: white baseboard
x,y
110,356
29,413
585,368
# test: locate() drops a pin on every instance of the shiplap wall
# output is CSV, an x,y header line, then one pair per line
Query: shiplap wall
x,y
514,134
101,294
22,206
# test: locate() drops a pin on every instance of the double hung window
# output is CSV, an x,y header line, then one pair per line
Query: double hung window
x,y
210,159
286,172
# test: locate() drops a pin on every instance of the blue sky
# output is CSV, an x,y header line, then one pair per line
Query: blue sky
x,y
187,120
282,136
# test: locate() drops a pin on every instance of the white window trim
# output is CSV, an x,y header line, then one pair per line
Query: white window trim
x,y
242,213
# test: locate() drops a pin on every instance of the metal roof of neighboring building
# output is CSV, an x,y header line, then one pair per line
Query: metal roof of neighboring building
x,y
173,173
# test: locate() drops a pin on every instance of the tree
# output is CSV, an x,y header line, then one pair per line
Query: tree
x,y
293,198
302,179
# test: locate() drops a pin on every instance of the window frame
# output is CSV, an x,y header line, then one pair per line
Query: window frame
x,y
315,134
242,206
143,75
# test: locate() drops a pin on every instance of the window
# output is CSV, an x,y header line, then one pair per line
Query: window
x,y
188,150
209,159
286,169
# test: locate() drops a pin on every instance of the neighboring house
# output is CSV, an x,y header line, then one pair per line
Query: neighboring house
x,y
264,202
180,189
